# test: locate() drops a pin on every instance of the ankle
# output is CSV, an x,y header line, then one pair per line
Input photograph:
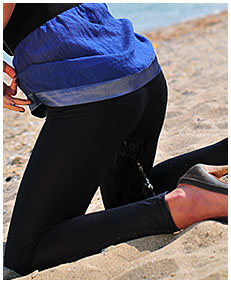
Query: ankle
x,y
176,201
189,204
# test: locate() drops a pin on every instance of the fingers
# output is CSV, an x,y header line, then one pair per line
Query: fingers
x,y
8,90
12,89
12,103
9,70
9,104
20,101
14,108
13,86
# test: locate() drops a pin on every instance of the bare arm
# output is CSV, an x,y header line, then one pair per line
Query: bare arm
x,y
9,101
8,9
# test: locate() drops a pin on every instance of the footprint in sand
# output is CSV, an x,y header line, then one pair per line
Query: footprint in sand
x,y
171,114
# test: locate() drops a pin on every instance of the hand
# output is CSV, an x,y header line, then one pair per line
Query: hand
x,y
9,101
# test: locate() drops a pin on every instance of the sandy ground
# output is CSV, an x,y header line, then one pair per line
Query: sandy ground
x,y
193,56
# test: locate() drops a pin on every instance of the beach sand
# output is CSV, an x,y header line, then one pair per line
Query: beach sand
x,y
193,56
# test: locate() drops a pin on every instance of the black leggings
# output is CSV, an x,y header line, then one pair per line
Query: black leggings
x,y
78,149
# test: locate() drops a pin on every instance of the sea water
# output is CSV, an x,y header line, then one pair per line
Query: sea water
x,y
149,16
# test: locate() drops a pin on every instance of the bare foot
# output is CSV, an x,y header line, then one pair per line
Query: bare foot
x,y
189,204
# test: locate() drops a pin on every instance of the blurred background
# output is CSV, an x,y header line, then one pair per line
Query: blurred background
x,y
149,16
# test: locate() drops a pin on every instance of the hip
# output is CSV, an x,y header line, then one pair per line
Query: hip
x,y
140,101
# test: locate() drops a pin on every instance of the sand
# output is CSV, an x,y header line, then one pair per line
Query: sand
x,y
193,56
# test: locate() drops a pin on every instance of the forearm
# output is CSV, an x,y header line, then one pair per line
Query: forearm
x,y
7,12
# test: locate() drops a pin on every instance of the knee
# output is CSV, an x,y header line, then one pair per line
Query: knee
x,y
18,262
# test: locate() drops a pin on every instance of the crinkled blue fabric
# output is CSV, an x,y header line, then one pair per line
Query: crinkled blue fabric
x,y
83,55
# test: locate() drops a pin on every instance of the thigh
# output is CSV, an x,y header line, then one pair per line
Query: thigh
x,y
148,129
120,184
68,161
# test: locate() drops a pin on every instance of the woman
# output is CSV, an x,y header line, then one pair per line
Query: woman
x,y
104,97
